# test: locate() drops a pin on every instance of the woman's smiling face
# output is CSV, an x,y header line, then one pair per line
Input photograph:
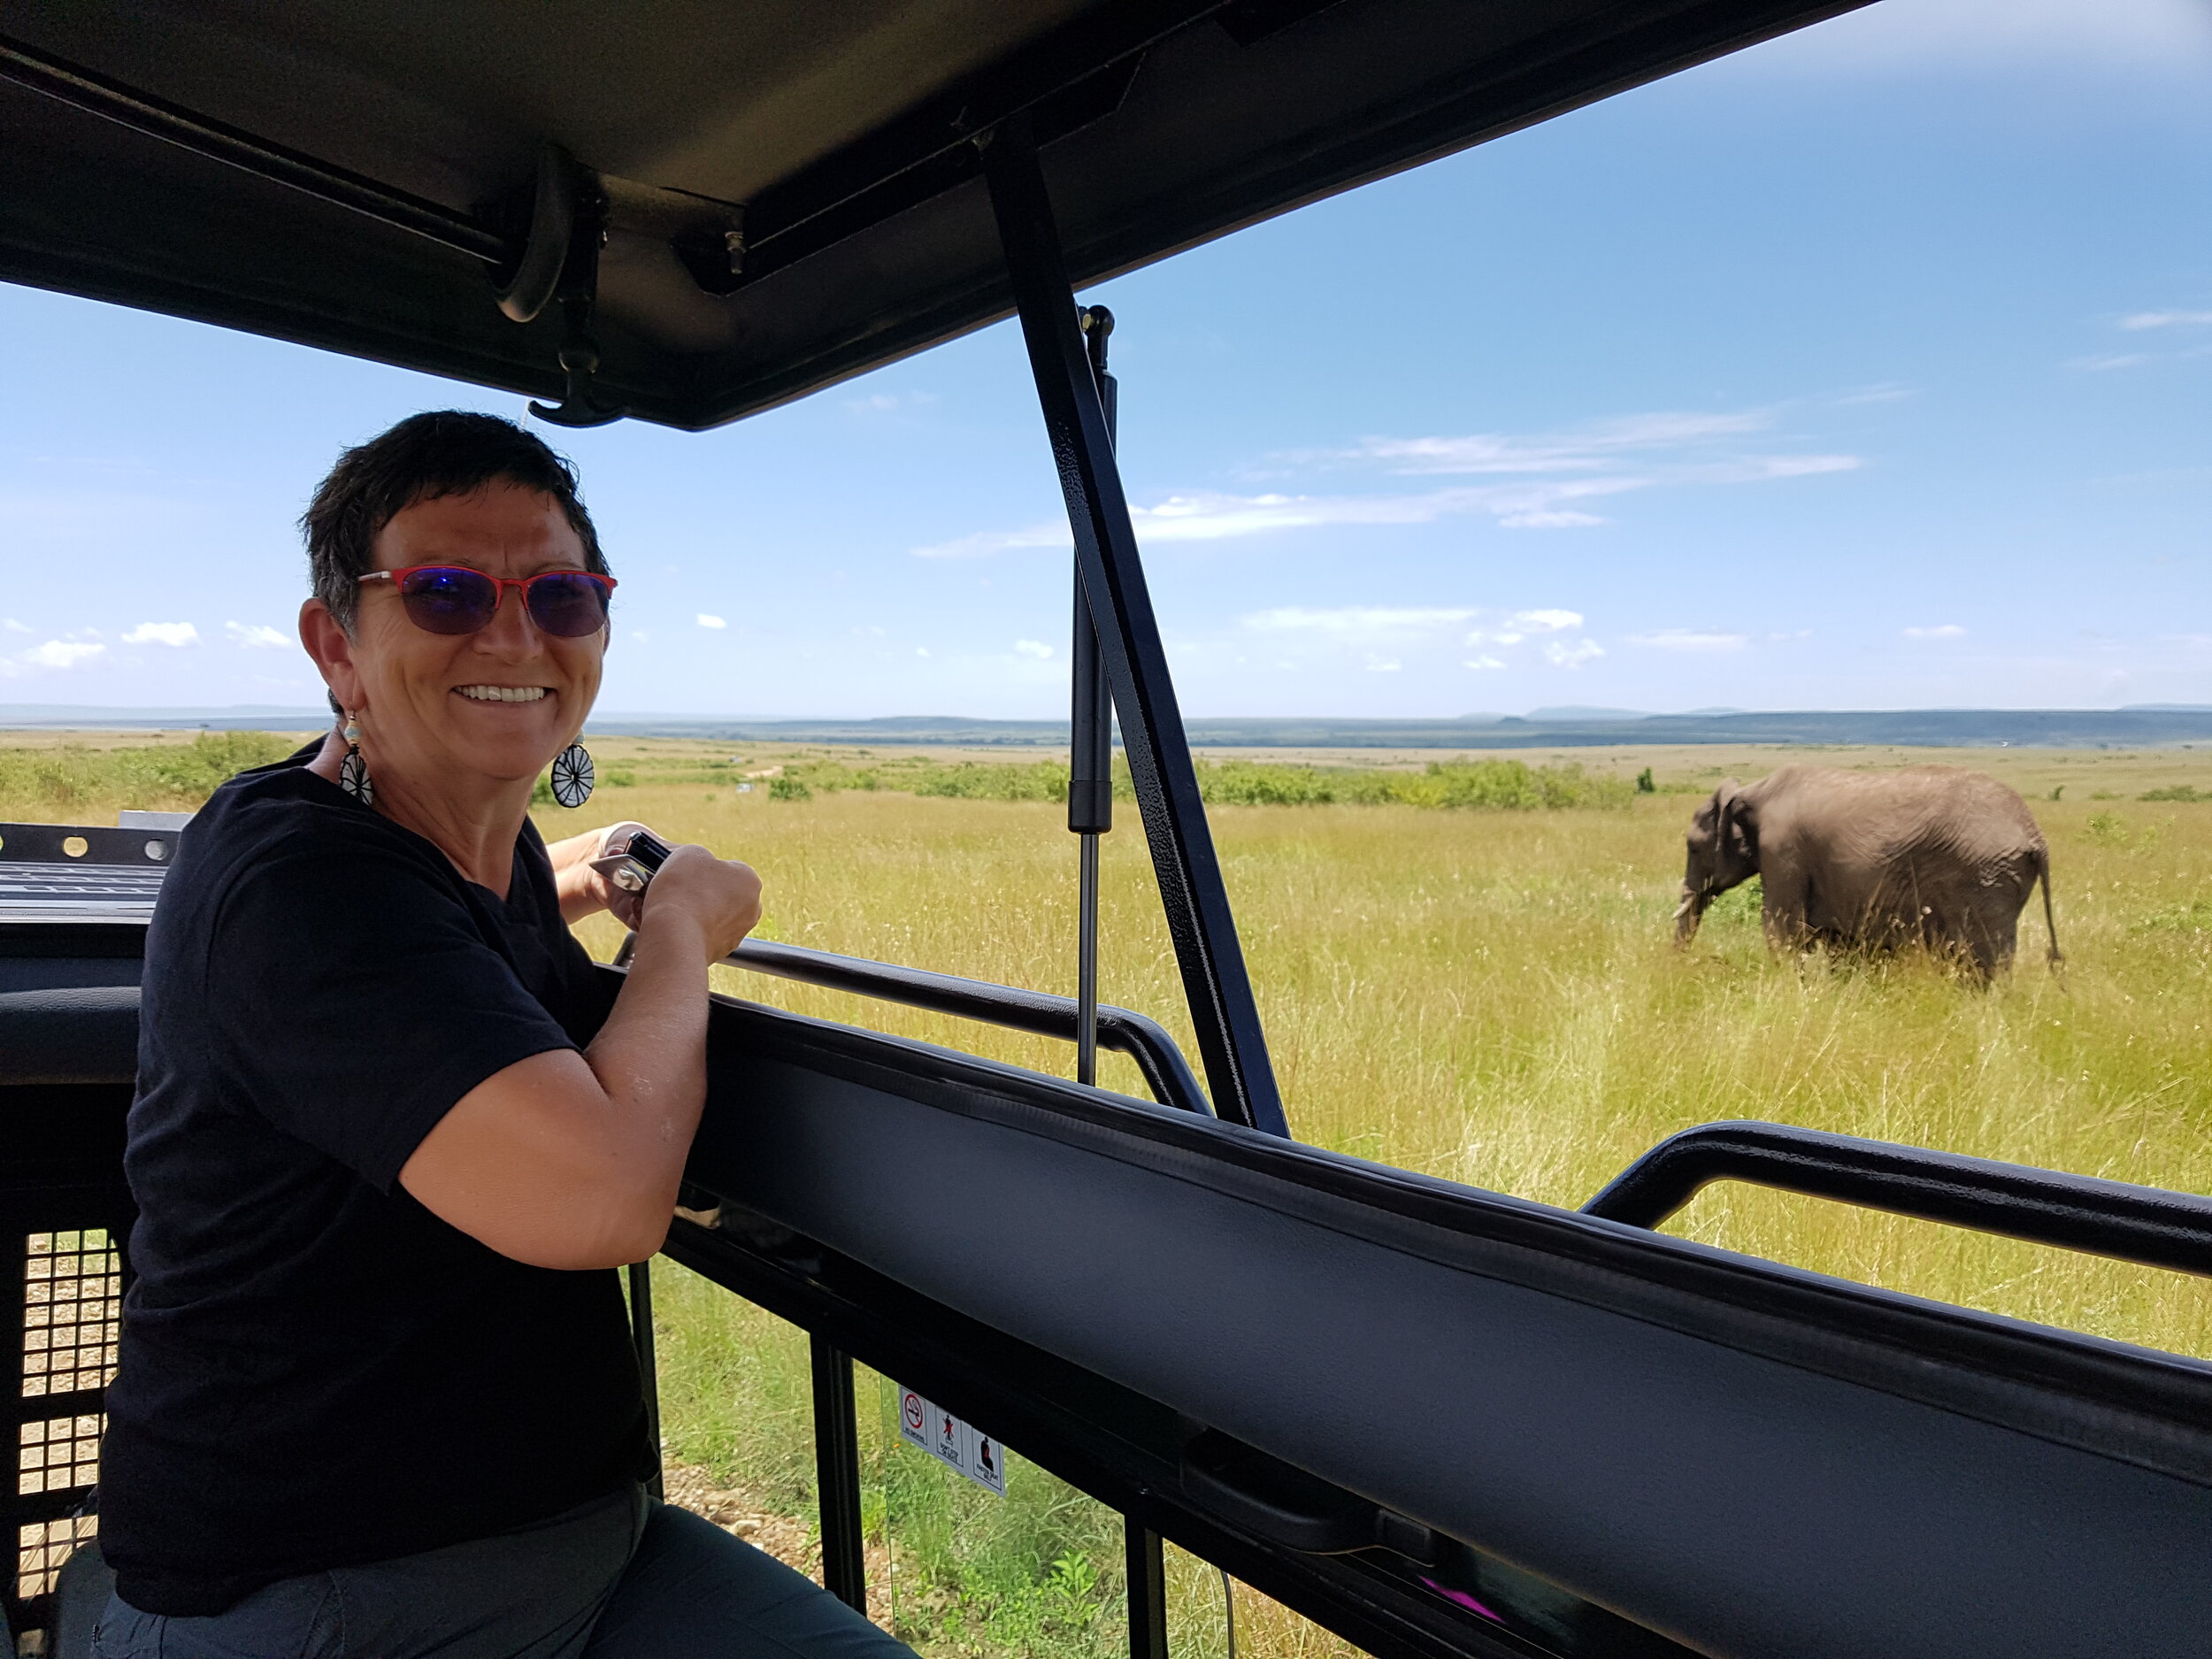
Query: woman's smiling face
x,y
498,704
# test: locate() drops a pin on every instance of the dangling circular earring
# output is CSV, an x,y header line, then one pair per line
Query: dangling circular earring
x,y
573,775
353,772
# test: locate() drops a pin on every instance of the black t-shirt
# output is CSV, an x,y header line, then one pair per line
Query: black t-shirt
x,y
315,1371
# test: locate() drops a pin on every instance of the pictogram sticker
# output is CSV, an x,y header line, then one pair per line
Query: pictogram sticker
x,y
951,1441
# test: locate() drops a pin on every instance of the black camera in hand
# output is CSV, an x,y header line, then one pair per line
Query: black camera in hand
x,y
633,865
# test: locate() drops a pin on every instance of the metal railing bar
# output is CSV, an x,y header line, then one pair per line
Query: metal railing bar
x,y
1041,1013
2143,1225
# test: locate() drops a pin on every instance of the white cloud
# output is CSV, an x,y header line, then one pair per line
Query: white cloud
x,y
706,621
1941,631
1562,654
1760,469
1520,624
1037,648
1549,520
1581,450
921,651
1380,638
984,543
2168,319
171,634
63,654
13,627
256,637
1888,392
1557,474
1691,639
1547,621
641,636
2108,360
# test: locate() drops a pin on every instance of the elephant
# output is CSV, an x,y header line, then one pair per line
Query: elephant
x,y
1936,855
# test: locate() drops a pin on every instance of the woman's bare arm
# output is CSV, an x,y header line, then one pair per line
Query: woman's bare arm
x,y
572,1160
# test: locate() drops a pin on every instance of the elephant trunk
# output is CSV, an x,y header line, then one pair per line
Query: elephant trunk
x,y
1689,913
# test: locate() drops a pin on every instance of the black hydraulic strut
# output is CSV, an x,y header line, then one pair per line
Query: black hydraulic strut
x,y
1230,1043
1091,746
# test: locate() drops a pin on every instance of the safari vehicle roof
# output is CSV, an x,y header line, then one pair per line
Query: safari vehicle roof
x,y
835,139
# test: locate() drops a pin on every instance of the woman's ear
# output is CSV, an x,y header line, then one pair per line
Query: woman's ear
x,y
325,639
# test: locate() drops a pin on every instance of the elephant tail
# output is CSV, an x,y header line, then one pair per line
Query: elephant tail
x,y
2050,922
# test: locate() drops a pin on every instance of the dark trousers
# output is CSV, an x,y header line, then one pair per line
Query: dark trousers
x,y
627,1577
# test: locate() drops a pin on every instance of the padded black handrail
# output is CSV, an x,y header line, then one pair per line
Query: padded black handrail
x,y
2143,1225
1166,1072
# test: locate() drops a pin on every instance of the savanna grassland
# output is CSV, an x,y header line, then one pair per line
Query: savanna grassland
x,y
1483,992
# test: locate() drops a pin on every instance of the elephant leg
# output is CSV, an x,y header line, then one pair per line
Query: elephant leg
x,y
1782,910
1999,925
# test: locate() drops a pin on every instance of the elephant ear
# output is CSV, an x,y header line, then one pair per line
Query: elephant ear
x,y
1739,835
1718,804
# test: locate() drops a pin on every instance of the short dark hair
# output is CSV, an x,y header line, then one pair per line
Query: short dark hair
x,y
441,452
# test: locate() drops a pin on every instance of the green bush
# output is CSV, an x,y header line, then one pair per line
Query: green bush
x,y
72,778
2174,792
1512,784
788,788
994,780
2108,829
2195,917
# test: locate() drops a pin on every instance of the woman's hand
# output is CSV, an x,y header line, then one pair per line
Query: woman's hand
x,y
583,890
720,896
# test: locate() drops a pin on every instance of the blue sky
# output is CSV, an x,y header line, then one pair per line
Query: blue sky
x,y
1871,368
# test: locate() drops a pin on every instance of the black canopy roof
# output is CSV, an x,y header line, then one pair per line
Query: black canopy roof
x,y
792,188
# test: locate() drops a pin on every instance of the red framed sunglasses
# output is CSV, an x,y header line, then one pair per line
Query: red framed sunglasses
x,y
454,599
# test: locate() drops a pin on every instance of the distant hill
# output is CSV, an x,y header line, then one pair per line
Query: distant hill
x,y
1576,713
2146,727
1970,728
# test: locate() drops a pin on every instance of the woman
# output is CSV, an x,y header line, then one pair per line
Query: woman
x,y
376,1394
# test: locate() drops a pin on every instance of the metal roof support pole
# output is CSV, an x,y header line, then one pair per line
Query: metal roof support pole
x,y
1090,747
1230,1041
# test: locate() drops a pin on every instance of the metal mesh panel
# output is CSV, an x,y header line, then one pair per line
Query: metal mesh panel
x,y
72,1297
72,1300
58,1454
42,1547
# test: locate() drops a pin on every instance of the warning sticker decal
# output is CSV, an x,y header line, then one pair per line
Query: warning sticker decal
x,y
958,1445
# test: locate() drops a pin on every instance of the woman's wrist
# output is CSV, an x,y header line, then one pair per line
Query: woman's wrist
x,y
673,929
